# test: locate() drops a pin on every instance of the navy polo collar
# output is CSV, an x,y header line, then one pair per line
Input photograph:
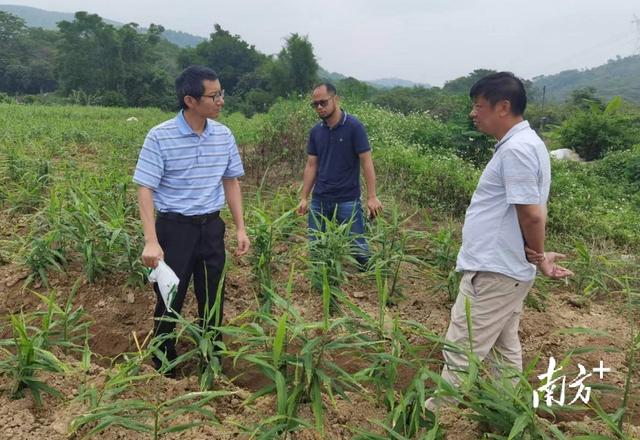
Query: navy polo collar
x,y
342,120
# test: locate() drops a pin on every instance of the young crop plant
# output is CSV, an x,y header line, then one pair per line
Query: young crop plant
x,y
64,326
266,230
42,254
329,250
385,361
298,358
444,249
158,418
24,356
591,272
615,422
205,338
408,419
394,245
83,229
442,260
26,181
125,372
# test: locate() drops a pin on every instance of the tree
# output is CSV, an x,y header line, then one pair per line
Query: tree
x,y
229,55
353,89
464,83
119,65
26,57
585,98
297,68
89,58
11,29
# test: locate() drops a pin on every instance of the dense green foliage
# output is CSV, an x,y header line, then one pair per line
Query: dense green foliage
x,y
90,61
26,57
116,65
594,132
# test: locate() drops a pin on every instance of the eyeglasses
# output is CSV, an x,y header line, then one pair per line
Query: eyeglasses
x,y
322,103
216,97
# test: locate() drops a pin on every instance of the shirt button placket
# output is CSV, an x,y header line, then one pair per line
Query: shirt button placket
x,y
198,149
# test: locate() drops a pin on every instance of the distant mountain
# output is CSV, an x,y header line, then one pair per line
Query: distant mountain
x,y
385,83
388,83
330,76
617,77
35,17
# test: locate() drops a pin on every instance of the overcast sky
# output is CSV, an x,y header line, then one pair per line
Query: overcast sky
x,y
420,40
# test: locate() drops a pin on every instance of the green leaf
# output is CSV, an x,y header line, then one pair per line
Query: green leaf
x,y
182,427
614,105
278,342
281,389
519,425
316,405
581,331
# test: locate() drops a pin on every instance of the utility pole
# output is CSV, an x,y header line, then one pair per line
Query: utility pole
x,y
636,21
543,118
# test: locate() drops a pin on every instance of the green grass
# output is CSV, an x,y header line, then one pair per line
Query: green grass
x,y
66,196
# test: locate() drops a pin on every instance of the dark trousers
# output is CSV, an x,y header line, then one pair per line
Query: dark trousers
x,y
192,245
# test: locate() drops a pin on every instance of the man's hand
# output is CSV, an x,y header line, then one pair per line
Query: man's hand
x,y
303,207
374,207
533,257
552,270
151,254
243,242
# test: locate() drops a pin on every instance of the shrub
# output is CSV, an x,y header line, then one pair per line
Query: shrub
x,y
437,181
5,99
584,205
594,133
283,138
111,98
621,164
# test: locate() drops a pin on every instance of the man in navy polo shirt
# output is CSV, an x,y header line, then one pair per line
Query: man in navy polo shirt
x,y
338,147
188,165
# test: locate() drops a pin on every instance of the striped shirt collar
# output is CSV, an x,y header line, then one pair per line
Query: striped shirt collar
x,y
186,129
515,129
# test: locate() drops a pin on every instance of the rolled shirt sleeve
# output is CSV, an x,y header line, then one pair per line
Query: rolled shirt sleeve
x,y
234,166
521,174
150,166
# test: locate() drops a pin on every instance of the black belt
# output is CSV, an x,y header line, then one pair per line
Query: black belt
x,y
195,219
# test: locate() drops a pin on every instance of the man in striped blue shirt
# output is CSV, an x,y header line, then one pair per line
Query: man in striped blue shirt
x,y
187,166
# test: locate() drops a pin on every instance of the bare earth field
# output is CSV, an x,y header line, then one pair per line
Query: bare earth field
x,y
119,312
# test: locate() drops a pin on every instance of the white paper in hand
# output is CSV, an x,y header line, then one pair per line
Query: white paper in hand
x,y
167,282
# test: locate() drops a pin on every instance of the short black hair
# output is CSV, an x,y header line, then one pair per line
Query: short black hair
x,y
501,86
330,87
190,82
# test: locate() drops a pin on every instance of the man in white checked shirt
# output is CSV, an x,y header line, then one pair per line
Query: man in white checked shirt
x,y
187,167
503,232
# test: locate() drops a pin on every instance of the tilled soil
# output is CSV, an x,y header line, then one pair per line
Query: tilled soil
x,y
119,312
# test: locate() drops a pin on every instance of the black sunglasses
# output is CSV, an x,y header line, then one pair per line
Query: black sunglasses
x,y
322,103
